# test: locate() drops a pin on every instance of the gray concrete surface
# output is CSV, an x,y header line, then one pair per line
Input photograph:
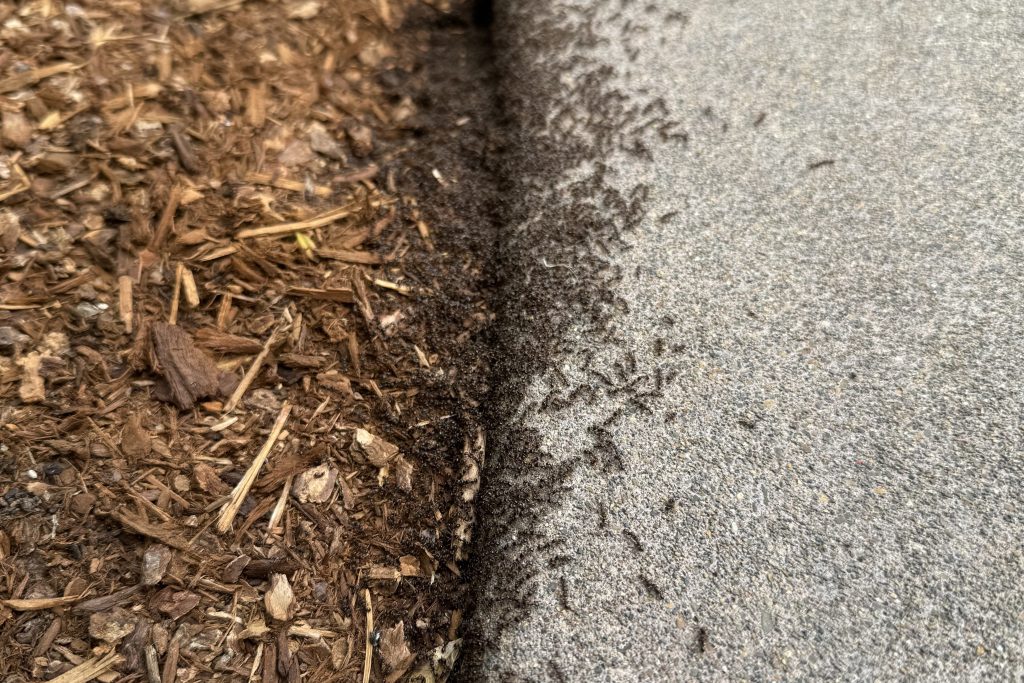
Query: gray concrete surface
x,y
816,391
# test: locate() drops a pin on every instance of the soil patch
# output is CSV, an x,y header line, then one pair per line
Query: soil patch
x,y
245,254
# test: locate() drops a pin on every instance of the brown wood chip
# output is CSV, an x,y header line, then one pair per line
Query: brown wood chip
x,y
189,372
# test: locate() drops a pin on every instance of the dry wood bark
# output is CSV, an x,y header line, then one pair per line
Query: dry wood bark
x,y
189,372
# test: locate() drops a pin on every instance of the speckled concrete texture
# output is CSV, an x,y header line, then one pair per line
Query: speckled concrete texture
x,y
785,443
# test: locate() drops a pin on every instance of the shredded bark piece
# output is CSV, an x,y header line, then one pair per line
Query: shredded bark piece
x,y
189,372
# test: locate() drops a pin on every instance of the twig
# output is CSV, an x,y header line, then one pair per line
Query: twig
x,y
256,660
152,664
224,312
250,374
34,604
170,670
89,669
166,218
368,659
275,516
124,302
188,286
35,75
401,289
284,228
356,176
349,256
241,490
172,317
287,184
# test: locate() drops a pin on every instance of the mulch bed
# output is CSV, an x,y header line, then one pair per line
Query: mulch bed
x,y
241,360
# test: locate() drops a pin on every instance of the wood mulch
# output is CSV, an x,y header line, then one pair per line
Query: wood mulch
x,y
240,360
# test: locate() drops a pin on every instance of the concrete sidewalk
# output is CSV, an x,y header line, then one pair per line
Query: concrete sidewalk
x,y
763,341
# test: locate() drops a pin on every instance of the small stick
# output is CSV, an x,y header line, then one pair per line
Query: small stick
x,y
284,228
170,671
171,494
250,374
35,604
166,218
89,669
256,661
35,75
424,231
188,284
401,289
349,256
152,664
124,302
227,515
275,516
287,184
384,9
172,319
356,176
224,312
368,660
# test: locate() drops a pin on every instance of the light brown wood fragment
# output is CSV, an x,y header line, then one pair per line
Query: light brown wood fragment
x,y
256,105
136,441
35,604
189,289
288,184
125,307
203,6
170,670
241,490
15,129
303,631
349,256
138,91
256,661
278,513
384,9
224,312
279,599
89,669
269,664
285,228
357,176
327,294
163,226
362,296
377,450
172,317
218,252
152,664
315,485
252,372
368,658
35,75
353,354
24,183
394,651
222,342
386,284
32,388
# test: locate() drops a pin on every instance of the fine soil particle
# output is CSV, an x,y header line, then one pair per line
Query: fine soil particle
x,y
234,235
